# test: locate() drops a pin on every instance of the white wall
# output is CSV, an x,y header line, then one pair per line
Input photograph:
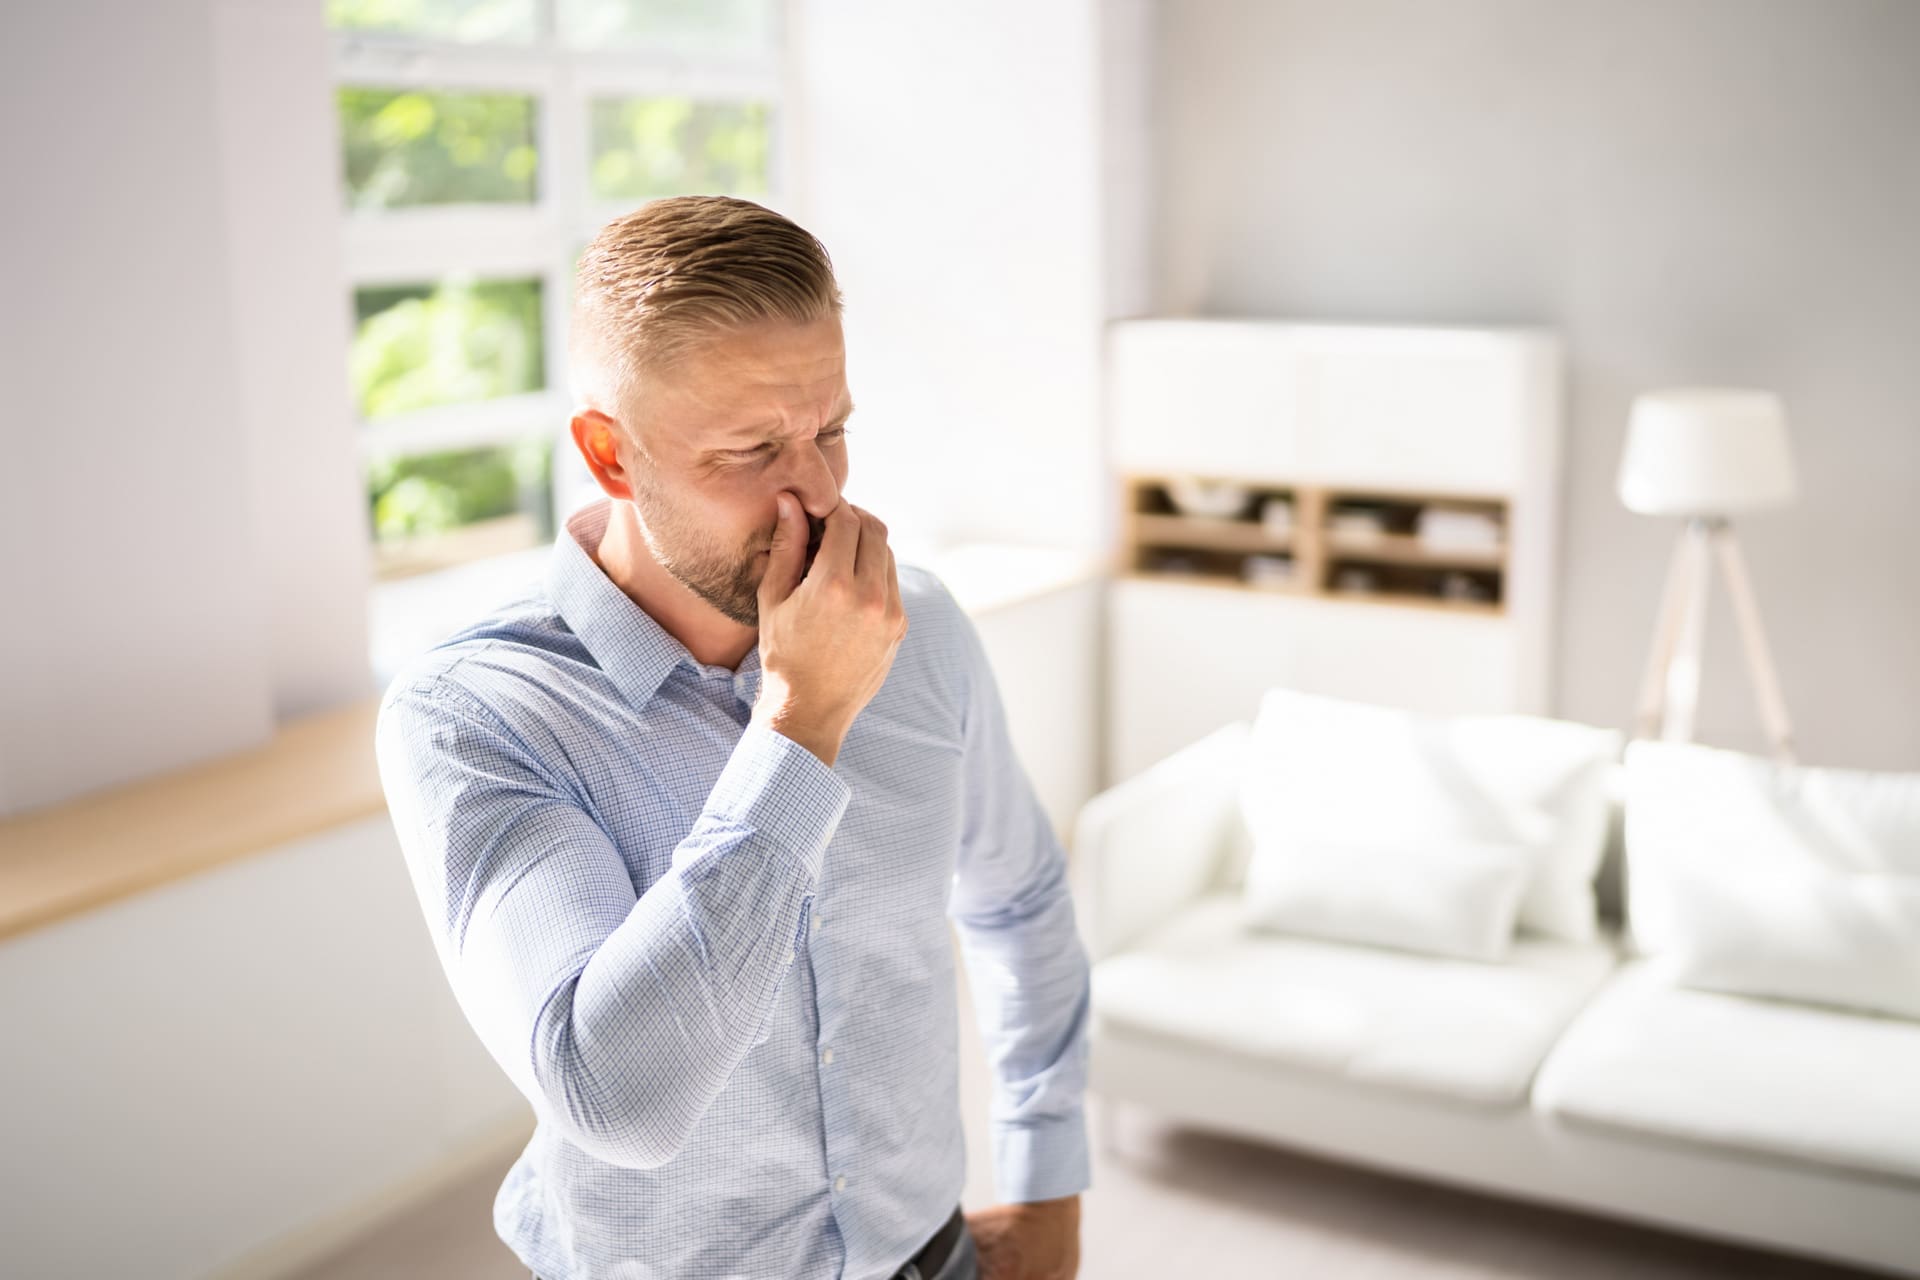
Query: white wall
x,y
950,157
281,150
181,559
1690,191
132,639
220,1064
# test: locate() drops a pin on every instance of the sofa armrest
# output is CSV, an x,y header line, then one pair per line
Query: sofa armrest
x,y
1145,848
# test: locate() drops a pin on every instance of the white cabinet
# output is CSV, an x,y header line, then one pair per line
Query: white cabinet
x,y
1416,411
1243,380
1414,418
1182,659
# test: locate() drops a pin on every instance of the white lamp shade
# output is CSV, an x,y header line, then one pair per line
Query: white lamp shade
x,y
1704,451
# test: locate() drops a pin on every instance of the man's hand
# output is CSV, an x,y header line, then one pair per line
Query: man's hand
x,y
1038,1240
828,633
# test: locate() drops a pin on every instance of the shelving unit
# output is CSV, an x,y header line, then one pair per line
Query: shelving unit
x,y
1446,440
1157,538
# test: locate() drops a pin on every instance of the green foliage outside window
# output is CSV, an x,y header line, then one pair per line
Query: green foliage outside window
x,y
431,493
416,346
647,147
411,147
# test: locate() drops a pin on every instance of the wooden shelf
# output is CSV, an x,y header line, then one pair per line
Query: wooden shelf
x,y
1208,533
1410,570
1408,548
318,773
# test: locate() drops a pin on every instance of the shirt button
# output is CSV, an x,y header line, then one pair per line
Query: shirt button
x,y
840,1183
789,957
827,1057
815,926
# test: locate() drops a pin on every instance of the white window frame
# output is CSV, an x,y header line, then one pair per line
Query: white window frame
x,y
425,244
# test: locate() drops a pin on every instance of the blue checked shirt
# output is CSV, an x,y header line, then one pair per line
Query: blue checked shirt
x,y
720,970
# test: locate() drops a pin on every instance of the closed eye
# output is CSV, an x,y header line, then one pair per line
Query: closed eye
x,y
827,439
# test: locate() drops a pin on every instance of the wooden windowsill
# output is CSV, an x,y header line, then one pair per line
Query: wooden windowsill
x,y
318,773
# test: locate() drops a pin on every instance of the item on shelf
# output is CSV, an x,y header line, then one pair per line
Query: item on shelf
x,y
1451,528
1463,586
1351,579
1267,571
1352,520
1214,499
1276,517
1171,562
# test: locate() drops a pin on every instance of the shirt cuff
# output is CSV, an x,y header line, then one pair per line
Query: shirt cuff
x,y
1042,1161
776,787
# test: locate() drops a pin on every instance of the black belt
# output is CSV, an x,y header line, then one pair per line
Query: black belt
x,y
934,1253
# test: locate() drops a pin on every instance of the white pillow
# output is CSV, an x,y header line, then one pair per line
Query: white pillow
x,y
1759,878
1321,769
1455,898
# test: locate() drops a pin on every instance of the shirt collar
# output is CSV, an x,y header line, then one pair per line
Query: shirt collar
x,y
635,651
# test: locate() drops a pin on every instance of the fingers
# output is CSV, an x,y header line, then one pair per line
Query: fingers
x,y
838,543
787,559
870,559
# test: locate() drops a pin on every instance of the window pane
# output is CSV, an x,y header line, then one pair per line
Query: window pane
x,y
743,27
407,147
646,147
435,509
472,20
416,346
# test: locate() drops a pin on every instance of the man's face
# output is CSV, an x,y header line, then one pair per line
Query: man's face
x,y
738,420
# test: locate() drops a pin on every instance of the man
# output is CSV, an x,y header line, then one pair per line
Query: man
x,y
687,824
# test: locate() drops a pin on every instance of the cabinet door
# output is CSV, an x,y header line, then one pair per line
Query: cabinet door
x,y
1426,660
1187,659
1207,397
1419,411
1184,661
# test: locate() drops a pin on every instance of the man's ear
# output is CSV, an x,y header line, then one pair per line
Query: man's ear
x,y
597,437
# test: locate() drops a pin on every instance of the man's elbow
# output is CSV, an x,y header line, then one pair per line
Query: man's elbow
x,y
617,1129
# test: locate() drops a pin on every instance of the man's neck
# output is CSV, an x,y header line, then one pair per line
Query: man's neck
x,y
710,636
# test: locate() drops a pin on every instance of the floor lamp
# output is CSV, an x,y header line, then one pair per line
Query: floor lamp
x,y
1705,454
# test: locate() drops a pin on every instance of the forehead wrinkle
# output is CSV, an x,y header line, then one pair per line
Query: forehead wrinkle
x,y
769,428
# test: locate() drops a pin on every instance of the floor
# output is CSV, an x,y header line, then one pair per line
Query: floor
x,y
1173,1198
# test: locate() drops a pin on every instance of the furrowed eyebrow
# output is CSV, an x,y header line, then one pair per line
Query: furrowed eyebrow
x,y
750,443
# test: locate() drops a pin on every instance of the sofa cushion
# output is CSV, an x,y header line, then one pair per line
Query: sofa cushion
x,y
1753,877
1760,1076
1462,1029
1319,768
1442,897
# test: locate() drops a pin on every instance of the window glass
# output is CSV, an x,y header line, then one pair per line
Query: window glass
x,y
647,147
413,147
465,20
451,342
432,510
732,27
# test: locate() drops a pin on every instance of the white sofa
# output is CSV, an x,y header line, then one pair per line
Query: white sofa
x,y
1564,1075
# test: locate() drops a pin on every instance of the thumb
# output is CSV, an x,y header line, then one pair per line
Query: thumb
x,y
786,561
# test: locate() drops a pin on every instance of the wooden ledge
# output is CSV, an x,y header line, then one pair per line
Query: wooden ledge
x,y
318,773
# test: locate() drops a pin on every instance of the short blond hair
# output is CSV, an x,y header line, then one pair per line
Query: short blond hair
x,y
660,281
